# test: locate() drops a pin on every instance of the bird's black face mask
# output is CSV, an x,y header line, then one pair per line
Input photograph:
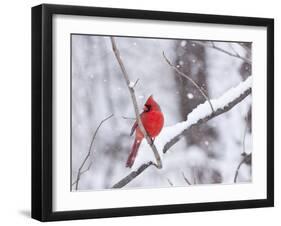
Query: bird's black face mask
x,y
147,108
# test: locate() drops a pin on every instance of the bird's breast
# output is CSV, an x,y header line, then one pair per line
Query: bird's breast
x,y
153,122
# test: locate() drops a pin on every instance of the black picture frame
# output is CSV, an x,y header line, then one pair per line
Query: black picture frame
x,y
42,107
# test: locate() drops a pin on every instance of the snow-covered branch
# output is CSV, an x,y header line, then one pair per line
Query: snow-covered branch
x,y
202,113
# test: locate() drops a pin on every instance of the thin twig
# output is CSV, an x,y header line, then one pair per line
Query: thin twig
x,y
84,171
131,118
245,159
134,101
170,182
231,54
205,44
89,166
248,50
185,179
136,82
244,154
193,174
80,172
244,138
233,49
191,80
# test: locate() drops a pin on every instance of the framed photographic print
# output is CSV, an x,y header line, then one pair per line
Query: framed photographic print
x,y
146,112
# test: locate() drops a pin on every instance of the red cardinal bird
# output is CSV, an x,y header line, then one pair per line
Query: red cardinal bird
x,y
153,120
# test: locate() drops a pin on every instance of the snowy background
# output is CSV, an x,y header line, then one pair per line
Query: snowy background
x,y
208,154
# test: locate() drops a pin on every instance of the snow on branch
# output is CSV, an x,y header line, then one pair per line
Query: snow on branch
x,y
202,113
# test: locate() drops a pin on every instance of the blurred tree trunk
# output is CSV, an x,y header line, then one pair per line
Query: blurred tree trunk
x,y
191,59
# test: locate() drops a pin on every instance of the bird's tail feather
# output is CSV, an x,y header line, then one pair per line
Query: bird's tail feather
x,y
133,153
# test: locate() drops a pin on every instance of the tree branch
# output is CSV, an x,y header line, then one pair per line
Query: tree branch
x,y
247,49
130,118
185,179
170,182
246,158
132,175
134,100
80,172
205,44
214,114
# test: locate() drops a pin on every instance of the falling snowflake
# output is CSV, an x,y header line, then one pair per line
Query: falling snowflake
x,y
141,97
105,80
206,143
181,63
190,96
183,43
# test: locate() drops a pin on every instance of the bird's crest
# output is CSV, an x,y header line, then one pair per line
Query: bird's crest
x,y
151,103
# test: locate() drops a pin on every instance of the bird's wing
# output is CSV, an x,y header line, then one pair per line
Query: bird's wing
x,y
135,125
134,128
